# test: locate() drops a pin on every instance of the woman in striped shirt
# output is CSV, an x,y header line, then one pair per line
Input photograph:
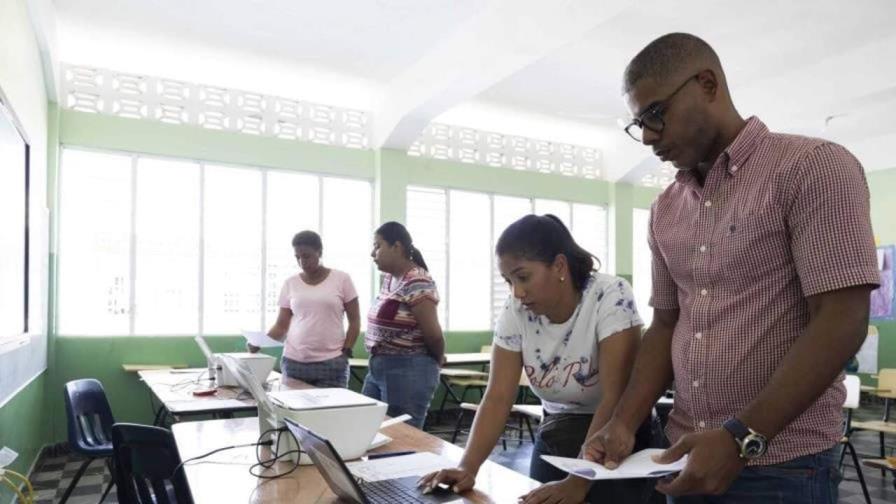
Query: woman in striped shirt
x,y
403,335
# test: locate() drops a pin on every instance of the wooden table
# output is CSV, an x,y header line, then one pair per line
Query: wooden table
x,y
173,389
224,477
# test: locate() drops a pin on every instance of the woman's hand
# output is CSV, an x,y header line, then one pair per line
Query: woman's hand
x,y
571,490
460,480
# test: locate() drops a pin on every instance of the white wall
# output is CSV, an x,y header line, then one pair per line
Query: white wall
x,y
22,81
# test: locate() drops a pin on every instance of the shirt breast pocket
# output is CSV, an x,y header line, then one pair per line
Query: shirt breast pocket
x,y
754,246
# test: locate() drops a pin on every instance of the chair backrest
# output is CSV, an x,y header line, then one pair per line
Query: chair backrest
x,y
853,391
89,417
886,380
145,462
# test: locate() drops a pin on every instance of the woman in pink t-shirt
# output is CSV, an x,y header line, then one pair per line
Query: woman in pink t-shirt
x,y
313,304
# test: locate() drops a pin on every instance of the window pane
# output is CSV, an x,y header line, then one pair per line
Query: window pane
x,y
167,248
558,208
507,209
641,264
347,233
293,205
232,250
94,243
471,262
589,228
426,221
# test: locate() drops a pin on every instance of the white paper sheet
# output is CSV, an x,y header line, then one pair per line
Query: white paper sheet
x,y
260,339
402,466
867,355
637,465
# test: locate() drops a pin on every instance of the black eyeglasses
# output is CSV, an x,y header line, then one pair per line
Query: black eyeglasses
x,y
652,118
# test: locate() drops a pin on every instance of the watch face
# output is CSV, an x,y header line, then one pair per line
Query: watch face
x,y
754,447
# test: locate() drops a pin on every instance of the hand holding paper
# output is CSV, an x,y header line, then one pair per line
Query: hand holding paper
x,y
638,465
260,339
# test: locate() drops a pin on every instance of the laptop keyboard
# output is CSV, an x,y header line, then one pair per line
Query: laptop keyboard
x,y
390,492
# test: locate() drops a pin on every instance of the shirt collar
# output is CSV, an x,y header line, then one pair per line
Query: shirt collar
x,y
735,156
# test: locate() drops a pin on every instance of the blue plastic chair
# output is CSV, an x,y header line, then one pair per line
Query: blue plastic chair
x,y
146,458
90,421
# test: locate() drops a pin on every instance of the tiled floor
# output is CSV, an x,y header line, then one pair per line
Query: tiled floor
x,y
53,474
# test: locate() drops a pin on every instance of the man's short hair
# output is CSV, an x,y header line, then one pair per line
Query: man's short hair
x,y
666,57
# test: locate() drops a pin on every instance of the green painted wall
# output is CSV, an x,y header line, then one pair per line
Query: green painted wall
x,y
882,185
24,427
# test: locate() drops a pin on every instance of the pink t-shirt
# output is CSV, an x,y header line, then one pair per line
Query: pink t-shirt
x,y
316,331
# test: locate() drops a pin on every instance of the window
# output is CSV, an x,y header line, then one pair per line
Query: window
x,y
95,243
347,233
14,229
154,247
475,291
430,235
166,254
470,262
642,280
231,290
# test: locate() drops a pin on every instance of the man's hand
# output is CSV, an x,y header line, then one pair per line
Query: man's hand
x,y
713,464
610,445
571,490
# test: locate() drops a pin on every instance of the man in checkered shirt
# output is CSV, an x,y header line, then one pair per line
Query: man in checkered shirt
x,y
763,263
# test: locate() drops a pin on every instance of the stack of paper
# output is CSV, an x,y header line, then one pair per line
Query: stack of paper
x,y
637,465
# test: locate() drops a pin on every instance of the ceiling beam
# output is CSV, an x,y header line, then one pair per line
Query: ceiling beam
x,y
502,39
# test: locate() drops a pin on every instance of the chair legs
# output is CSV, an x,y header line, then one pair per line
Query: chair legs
x,y
111,480
71,486
858,466
457,426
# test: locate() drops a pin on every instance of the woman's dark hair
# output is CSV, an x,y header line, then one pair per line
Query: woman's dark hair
x,y
308,239
393,232
542,238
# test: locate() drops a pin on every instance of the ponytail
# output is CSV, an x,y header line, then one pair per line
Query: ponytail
x,y
542,239
393,232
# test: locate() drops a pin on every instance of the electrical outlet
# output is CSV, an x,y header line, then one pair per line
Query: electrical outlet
x,y
7,456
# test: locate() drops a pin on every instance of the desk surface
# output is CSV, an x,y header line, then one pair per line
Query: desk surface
x,y
224,477
174,389
451,359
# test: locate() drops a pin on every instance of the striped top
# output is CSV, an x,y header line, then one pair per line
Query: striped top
x,y
392,328
778,218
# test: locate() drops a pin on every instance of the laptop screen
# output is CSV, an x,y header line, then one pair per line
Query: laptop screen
x,y
204,347
247,381
328,462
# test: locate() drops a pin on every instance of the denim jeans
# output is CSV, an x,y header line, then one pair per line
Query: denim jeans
x,y
812,479
405,382
563,435
330,373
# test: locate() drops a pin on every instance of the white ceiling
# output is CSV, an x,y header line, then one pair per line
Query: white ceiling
x,y
795,64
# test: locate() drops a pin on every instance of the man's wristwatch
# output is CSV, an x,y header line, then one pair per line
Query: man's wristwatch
x,y
752,444
347,352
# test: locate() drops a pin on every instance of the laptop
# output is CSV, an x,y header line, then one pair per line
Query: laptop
x,y
356,491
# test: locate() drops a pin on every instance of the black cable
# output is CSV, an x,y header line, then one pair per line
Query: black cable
x,y
269,463
256,444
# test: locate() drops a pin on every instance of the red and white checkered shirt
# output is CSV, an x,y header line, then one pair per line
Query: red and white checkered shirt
x,y
779,218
